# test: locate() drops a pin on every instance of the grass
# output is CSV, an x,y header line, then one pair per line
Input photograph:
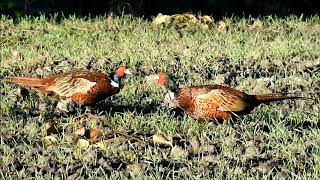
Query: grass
x,y
280,140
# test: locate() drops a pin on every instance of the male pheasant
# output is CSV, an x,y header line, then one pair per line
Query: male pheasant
x,y
83,87
214,101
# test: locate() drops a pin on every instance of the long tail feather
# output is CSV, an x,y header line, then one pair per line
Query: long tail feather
x,y
27,81
265,98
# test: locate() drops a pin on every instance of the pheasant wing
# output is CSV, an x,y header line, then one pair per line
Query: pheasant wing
x,y
68,85
223,100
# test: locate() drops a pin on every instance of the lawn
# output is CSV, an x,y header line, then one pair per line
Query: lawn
x,y
253,55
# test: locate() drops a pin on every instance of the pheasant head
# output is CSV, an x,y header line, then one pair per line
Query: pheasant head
x,y
118,75
171,86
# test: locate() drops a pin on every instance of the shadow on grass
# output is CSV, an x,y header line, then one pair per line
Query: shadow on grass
x,y
111,109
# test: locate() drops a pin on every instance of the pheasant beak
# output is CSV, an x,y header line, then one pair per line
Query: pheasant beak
x,y
127,71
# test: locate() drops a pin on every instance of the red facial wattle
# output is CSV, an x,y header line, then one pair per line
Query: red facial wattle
x,y
162,78
121,71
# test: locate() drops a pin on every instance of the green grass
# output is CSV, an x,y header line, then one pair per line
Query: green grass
x,y
281,140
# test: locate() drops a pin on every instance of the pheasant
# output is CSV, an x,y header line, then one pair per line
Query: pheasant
x,y
207,102
83,87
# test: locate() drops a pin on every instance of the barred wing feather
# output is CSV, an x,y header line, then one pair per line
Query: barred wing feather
x,y
68,86
225,100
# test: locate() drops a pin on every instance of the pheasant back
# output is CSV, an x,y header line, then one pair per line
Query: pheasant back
x,y
220,102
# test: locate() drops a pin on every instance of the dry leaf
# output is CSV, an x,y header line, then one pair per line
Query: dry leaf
x,y
207,19
301,166
130,156
251,151
70,138
51,128
207,149
43,107
117,140
264,167
94,135
62,106
210,159
159,139
182,20
178,153
186,172
134,169
195,144
49,140
82,143
190,17
222,26
102,145
206,22
161,19
80,131
65,105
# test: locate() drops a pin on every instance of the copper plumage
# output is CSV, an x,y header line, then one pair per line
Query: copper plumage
x,y
83,87
215,101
